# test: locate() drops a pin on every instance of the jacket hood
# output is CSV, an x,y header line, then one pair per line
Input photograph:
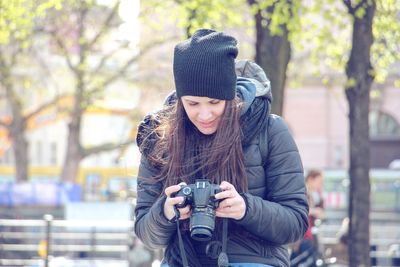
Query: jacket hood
x,y
248,89
252,82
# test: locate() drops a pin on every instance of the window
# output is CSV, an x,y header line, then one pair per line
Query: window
x,y
383,125
53,153
39,153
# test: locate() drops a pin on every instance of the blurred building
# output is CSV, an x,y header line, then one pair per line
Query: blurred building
x,y
318,118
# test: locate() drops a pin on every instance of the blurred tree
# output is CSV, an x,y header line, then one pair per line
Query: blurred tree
x,y
276,22
219,14
86,36
360,76
18,24
363,52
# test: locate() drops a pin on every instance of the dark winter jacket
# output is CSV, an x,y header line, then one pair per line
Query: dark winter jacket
x,y
276,203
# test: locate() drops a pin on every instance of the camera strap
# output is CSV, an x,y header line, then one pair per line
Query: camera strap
x,y
223,260
181,248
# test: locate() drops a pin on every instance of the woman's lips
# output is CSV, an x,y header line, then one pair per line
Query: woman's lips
x,y
207,124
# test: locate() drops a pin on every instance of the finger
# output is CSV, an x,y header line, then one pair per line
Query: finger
x,y
225,203
172,189
174,200
229,208
225,214
226,194
226,186
185,212
185,216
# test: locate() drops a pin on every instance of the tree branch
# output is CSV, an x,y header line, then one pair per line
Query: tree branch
x,y
109,55
65,53
106,25
44,106
350,8
359,5
105,147
4,124
128,63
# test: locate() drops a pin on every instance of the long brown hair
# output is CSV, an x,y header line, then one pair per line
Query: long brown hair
x,y
184,154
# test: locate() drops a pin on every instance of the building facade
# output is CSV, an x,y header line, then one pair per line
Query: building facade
x,y
318,118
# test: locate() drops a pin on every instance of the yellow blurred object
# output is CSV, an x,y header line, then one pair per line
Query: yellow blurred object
x,y
42,250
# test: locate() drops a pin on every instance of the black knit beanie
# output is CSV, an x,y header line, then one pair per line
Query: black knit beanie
x,y
204,65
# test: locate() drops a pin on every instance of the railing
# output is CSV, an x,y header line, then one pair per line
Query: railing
x,y
38,242
93,243
384,236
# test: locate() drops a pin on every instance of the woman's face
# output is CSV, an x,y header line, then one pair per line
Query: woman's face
x,y
205,113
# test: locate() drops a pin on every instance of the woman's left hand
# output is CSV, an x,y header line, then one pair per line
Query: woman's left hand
x,y
232,204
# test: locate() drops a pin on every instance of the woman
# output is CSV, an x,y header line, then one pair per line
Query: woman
x,y
217,126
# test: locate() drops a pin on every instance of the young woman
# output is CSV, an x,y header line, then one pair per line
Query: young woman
x,y
216,126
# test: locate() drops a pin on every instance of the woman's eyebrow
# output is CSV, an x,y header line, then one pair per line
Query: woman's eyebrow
x,y
191,101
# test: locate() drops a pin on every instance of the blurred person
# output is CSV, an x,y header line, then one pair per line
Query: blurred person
x,y
307,249
216,131
314,184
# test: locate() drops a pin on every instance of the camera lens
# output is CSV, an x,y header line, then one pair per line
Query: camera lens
x,y
201,234
202,224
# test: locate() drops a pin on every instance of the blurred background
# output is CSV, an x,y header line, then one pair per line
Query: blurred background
x,y
76,78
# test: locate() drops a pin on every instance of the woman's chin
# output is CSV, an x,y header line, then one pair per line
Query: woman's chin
x,y
207,131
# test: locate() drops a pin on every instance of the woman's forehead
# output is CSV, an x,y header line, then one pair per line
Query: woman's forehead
x,y
197,98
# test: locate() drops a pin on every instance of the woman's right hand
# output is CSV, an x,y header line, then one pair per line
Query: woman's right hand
x,y
170,202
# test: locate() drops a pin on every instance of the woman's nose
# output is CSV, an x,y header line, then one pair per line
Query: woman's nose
x,y
205,114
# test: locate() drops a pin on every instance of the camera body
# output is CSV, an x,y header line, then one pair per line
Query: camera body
x,y
201,197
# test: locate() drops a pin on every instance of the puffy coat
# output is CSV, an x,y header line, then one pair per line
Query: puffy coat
x,y
276,203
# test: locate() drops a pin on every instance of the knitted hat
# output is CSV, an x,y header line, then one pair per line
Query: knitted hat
x,y
204,65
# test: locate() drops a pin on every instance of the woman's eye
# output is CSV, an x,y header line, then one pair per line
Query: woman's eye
x,y
215,102
192,103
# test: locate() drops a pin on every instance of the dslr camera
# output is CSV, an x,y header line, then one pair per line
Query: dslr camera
x,y
201,197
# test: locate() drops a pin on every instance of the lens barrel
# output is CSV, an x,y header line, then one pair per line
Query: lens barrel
x,y
202,224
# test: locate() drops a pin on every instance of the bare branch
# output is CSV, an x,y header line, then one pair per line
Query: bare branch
x,y
5,76
65,52
360,4
14,55
109,55
47,72
128,63
106,25
350,8
44,106
105,147
4,124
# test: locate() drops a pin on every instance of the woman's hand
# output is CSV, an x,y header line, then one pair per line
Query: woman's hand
x,y
232,204
170,202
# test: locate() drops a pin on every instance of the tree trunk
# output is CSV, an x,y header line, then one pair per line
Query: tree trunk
x,y
74,152
18,125
273,54
359,75
20,145
73,155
